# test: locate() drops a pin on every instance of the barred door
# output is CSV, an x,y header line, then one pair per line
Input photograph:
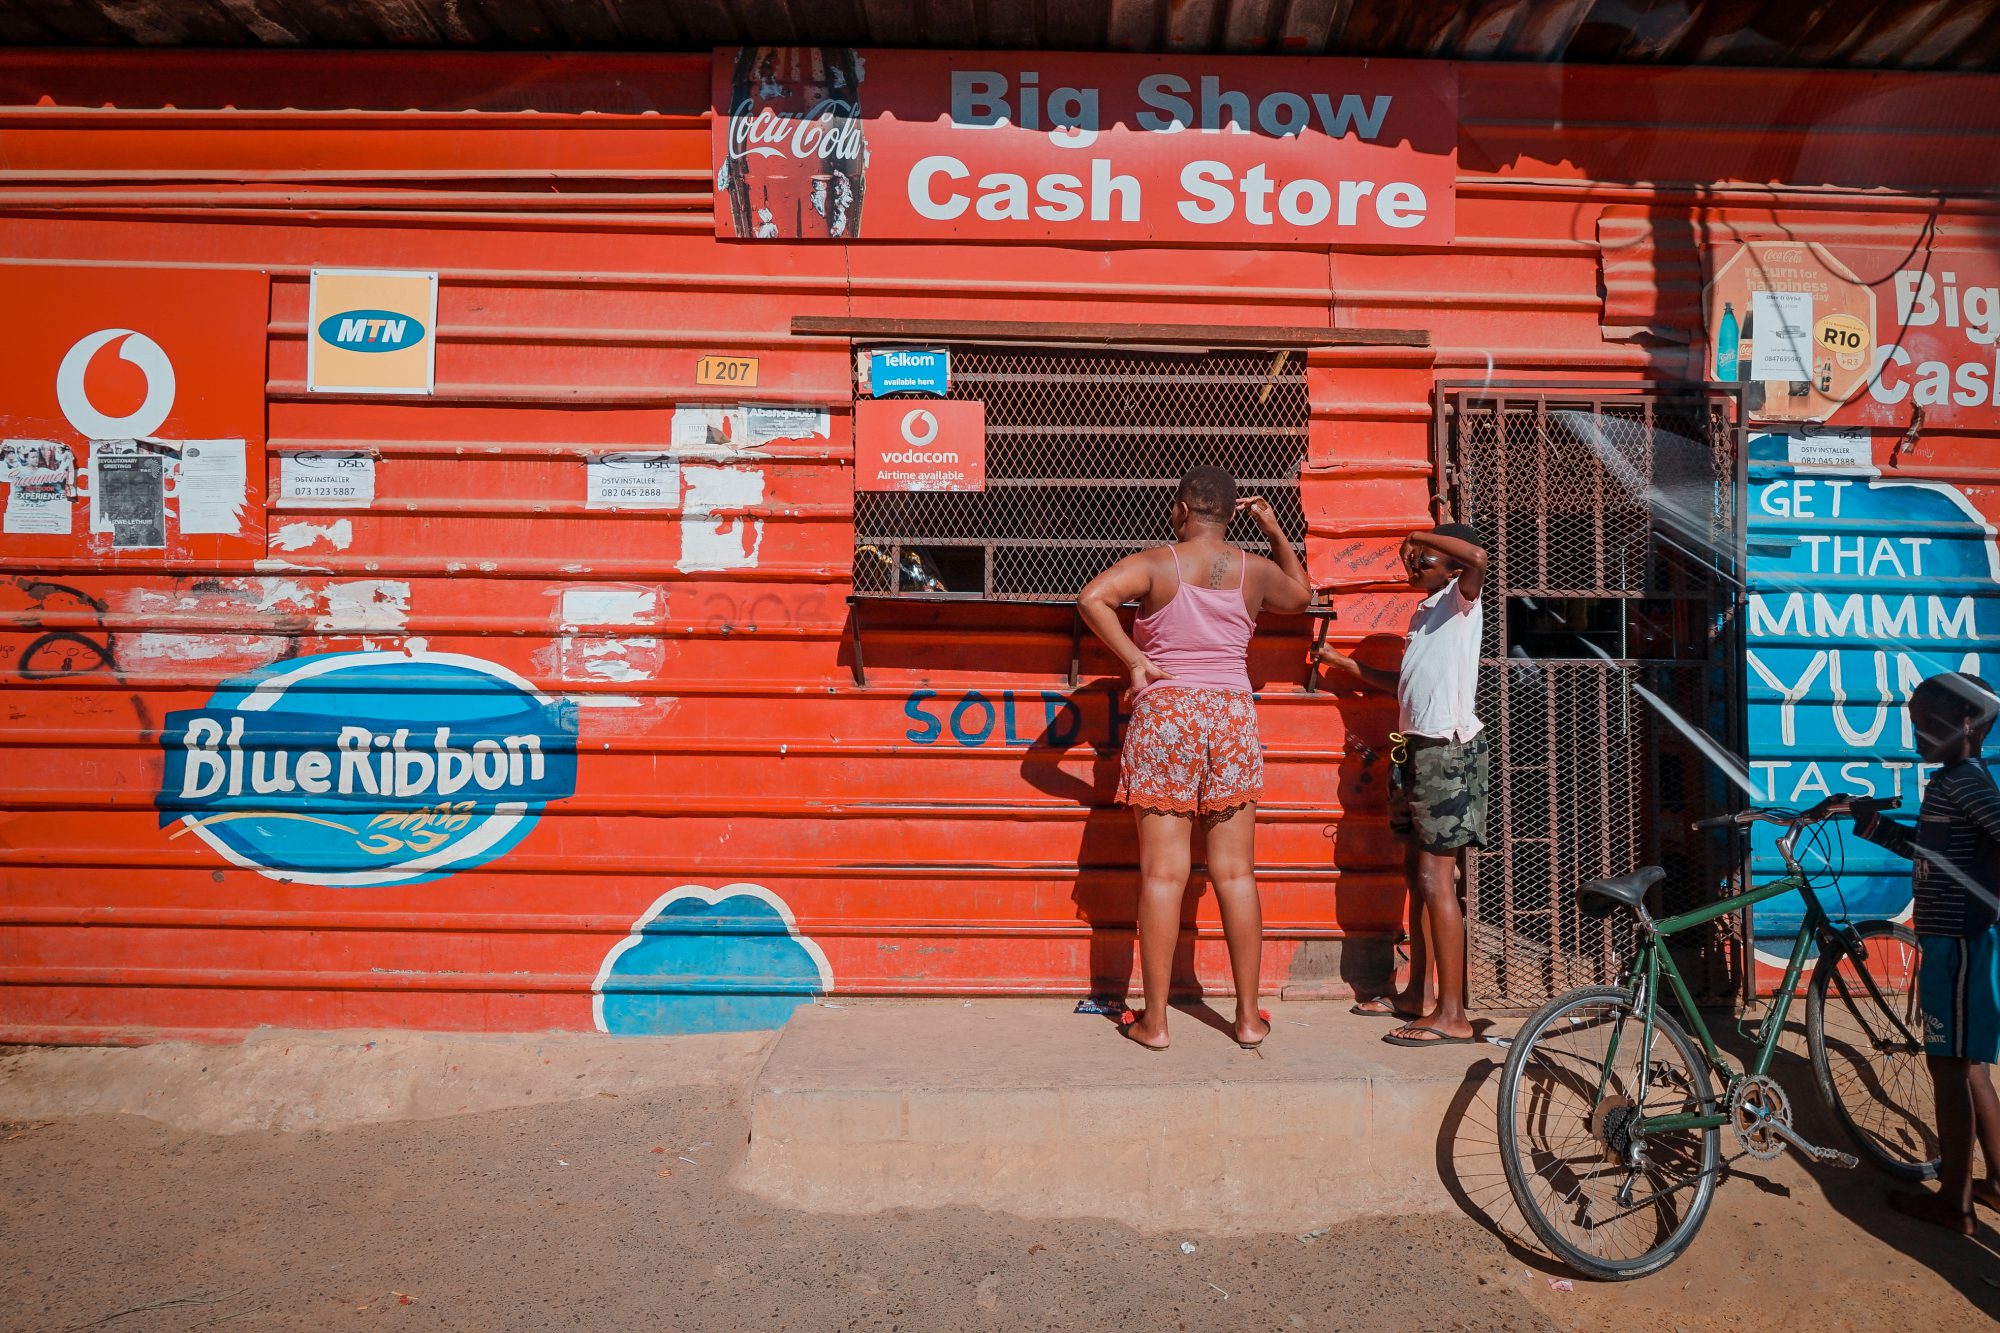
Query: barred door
x,y
1607,677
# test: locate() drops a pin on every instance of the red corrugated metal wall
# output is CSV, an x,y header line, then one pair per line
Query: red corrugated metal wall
x,y
744,818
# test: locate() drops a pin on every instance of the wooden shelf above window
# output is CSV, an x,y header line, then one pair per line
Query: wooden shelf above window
x,y
1191,336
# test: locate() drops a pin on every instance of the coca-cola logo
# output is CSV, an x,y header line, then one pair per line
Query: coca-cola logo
x,y
829,131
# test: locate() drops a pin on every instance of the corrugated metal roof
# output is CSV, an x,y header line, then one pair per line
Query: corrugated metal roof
x,y
1853,34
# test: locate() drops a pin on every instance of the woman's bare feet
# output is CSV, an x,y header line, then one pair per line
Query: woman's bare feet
x,y
1138,1027
1252,1030
1986,1194
1932,1208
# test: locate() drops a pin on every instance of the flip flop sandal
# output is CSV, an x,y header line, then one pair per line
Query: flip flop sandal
x,y
1127,1023
1439,1039
1380,1008
1264,1014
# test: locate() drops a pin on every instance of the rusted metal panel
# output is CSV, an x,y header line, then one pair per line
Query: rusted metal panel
x,y
746,825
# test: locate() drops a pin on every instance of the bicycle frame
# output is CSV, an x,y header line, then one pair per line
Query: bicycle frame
x,y
1653,958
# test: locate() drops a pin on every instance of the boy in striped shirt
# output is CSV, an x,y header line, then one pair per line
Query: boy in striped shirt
x,y
1956,850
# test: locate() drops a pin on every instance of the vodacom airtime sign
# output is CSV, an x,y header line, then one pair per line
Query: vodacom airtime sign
x,y
815,143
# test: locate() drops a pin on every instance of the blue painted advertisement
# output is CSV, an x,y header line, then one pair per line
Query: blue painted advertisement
x,y
709,960
1861,585
367,768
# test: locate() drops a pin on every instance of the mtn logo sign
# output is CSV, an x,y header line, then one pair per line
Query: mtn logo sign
x,y
371,331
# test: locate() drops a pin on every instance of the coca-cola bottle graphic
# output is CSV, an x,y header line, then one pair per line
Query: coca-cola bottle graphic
x,y
796,156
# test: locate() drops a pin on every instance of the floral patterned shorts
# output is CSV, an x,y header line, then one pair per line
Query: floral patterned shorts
x,y
1191,751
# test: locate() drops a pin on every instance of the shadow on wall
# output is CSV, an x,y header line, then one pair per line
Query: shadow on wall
x,y
1368,956
1106,891
709,960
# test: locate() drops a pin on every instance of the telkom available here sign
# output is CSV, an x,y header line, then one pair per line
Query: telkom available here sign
x,y
835,143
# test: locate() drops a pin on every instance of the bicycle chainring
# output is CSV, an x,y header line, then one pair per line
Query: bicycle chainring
x,y
1756,1106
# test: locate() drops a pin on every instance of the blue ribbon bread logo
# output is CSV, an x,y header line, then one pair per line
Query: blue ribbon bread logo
x,y
372,330
369,768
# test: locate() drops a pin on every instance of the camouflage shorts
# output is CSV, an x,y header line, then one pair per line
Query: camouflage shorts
x,y
1437,797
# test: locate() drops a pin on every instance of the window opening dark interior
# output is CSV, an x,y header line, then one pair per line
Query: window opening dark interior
x,y
1084,448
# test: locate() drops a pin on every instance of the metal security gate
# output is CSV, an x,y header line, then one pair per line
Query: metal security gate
x,y
1085,448
1608,666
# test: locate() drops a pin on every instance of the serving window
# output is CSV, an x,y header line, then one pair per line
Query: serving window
x,y
1084,450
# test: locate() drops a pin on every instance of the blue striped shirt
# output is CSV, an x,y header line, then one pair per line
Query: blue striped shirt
x,y
1956,848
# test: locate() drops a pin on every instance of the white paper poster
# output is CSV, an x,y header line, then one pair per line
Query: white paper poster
x,y
344,479
767,422
211,485
707,426
41,486
1844,447
1781,327
632,480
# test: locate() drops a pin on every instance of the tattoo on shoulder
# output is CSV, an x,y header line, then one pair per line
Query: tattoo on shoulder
x,y
1218,570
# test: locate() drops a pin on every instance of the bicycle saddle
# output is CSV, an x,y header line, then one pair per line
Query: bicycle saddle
x,y
1601,897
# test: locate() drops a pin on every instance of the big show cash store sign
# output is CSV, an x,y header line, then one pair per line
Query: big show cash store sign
x,y
830,143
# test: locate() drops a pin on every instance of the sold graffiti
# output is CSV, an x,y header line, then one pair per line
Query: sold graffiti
x,y
1030,718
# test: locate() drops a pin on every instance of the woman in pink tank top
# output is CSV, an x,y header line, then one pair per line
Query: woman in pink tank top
x,y
1191,750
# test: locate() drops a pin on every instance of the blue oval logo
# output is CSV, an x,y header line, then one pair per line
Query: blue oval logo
x,y
369,768
371,331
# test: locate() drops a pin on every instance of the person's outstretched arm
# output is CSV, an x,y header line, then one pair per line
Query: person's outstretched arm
x,y
1890,834
1129,580
1292,590
1340,667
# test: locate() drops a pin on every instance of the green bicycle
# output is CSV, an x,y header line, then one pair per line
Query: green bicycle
x,y
1611,1116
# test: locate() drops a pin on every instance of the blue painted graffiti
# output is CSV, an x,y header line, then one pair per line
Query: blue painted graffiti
x,y
1044,717
1860,586
701,960
369,768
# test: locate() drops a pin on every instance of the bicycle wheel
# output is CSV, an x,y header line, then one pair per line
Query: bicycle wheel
x,y
1566,1103
1867,1048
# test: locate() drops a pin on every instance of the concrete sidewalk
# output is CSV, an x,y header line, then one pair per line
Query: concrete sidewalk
x,y
279,1079
1029,1108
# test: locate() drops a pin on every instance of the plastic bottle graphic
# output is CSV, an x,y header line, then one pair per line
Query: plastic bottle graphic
x,y
797,155
1726,337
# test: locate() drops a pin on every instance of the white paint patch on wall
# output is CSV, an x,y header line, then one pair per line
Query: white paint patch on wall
x,y
301,536
139,654
712,537
364,605
609,606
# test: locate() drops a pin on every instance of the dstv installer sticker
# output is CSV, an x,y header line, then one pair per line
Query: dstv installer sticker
x,y
368,768
372,330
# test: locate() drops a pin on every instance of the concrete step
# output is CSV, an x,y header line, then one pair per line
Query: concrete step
x,y
1026,1107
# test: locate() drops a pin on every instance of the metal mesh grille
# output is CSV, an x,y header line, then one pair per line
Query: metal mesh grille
x,y
1083,451
1626,498
1559,816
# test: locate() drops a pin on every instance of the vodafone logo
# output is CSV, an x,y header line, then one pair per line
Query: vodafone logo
x,y
919,428
74,398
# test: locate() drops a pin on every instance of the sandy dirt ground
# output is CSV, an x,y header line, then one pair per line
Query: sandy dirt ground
x,y
615,1211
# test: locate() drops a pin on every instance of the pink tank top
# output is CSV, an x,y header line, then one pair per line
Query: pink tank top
x,y
1201,637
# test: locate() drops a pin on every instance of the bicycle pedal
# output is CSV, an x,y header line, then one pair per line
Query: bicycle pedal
x,y
1831,1156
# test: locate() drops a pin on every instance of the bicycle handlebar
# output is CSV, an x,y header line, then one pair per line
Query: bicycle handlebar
x,y
1831,806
